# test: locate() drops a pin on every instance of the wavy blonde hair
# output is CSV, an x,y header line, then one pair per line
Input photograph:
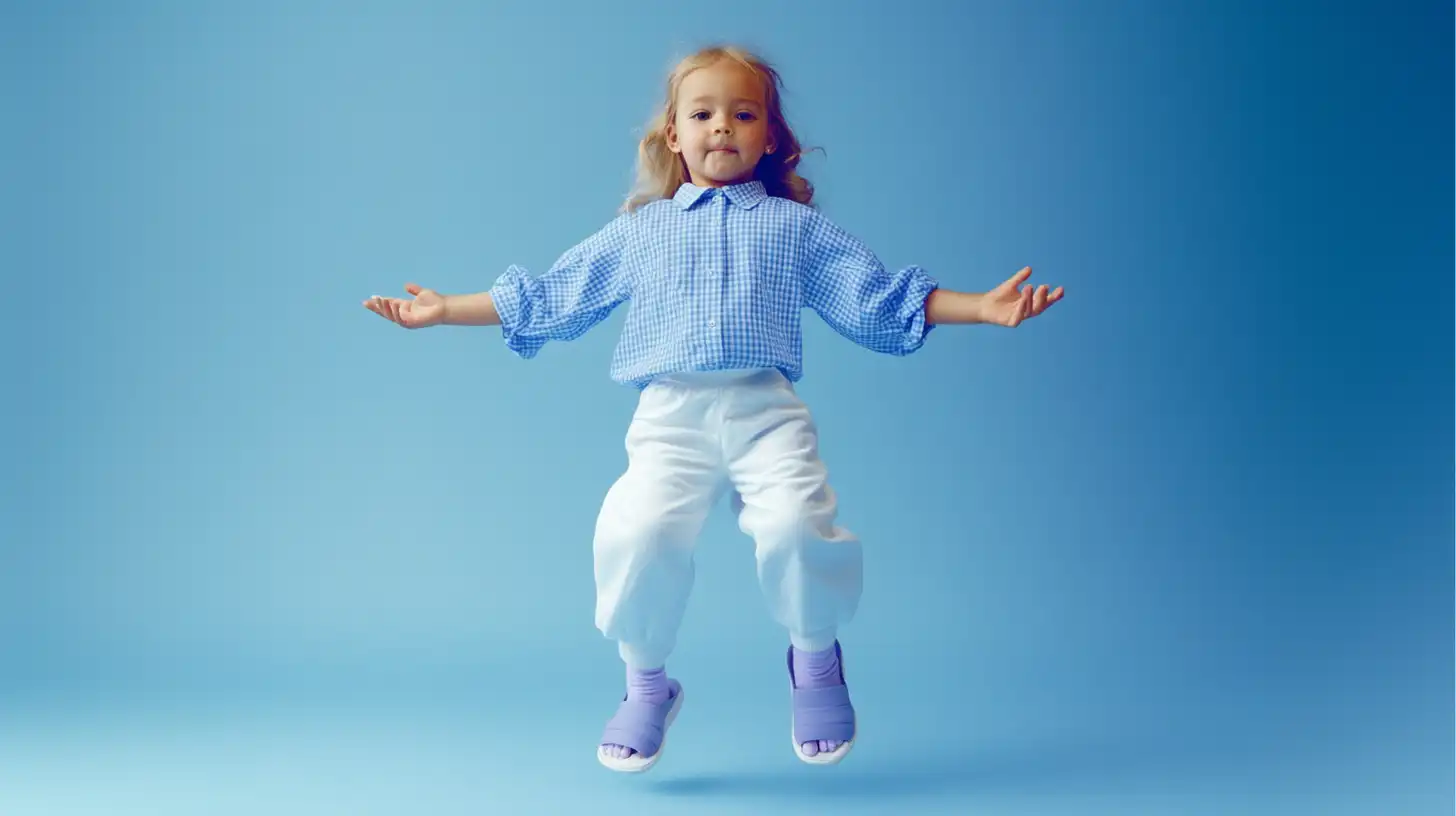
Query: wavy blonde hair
x,y
660,172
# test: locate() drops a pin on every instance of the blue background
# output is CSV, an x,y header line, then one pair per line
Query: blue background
x,y
1183,544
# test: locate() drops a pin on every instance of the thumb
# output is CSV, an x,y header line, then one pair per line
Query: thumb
x,y
412,288
1020,277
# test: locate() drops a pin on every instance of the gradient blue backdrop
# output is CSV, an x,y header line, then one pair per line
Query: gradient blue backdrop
x,y
1182,545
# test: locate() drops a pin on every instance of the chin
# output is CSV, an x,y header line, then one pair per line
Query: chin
x,y
719,175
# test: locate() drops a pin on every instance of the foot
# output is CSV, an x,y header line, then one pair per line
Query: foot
x,y
827,711
641,718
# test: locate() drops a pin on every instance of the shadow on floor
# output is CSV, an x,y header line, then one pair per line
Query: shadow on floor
x,y
1068,767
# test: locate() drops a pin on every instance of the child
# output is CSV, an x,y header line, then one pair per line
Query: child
x,y
718,249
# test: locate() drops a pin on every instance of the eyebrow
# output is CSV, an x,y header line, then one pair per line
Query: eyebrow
x,y
742,100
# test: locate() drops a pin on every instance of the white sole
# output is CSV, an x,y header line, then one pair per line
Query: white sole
x,y
638,763
826,757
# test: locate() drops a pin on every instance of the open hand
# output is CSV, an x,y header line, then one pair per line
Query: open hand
x,y
427,308
1010,303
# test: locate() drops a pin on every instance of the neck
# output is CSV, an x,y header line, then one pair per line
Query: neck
x,y
707,182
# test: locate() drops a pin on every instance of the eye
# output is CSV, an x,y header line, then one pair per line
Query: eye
x,y
745,116
699,115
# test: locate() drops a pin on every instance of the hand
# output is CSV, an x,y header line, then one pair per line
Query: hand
x,y
1006,306
427,308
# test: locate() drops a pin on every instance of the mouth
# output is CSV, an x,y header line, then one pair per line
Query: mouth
x,y
721,150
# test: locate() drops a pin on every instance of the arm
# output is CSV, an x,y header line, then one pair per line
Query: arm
x,y
430,308
848,286
893,312
584,285
476,309
1006,305
944,306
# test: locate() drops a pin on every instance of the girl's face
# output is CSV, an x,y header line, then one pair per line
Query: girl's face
x,y
721,125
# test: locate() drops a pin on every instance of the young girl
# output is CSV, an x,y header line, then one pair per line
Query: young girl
x,y
718,250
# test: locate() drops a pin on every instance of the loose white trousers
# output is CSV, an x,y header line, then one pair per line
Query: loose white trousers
x,y
692,438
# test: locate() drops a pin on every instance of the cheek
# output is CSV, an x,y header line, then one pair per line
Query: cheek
x,y
689,136
759,134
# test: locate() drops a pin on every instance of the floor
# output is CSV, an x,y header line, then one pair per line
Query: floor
x,y
527,748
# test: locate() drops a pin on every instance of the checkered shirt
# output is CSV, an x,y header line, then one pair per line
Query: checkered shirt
x,y
717,279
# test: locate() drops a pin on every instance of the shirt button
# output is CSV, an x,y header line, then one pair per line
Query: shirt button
x,y
712,324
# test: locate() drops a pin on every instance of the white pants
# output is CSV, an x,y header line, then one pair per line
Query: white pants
x,y
693,438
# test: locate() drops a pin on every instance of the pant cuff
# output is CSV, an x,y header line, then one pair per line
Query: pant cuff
x,y
643,656
814,642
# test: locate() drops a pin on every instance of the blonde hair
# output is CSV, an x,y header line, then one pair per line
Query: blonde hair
x,y
660,172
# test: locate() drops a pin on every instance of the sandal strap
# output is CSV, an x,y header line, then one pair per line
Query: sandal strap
x,y
639,725
823,714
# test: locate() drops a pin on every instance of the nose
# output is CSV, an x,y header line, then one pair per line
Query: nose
x,y
723,125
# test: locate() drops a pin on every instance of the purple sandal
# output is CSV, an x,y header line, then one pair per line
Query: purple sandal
x,y
643,728
822,714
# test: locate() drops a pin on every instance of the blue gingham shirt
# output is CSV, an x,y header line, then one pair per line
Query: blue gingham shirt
x,y
717,279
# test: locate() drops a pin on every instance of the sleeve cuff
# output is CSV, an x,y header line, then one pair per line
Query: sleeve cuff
x,y
506,295
917,328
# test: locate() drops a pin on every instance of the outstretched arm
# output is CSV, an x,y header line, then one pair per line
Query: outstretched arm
x,y
847,285
430,308
471,310
1006,305
584,285
576,293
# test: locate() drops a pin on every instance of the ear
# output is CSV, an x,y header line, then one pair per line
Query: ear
x,y
671,133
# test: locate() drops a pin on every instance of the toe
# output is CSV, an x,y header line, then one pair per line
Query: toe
x,y
811,748
617,751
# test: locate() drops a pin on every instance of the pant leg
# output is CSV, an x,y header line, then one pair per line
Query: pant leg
x,y
809,568
650,520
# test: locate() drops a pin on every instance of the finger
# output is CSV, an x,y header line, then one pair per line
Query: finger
x,y
376,305
1011,284
1022,304
1039,300
380,305
395,304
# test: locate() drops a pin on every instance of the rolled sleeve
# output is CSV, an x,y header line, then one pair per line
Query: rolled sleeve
x,y
579,291
848,286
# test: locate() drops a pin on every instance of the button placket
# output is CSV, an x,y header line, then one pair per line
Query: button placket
x,y
722,276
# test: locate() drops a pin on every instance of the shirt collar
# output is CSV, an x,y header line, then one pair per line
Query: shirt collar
x,y
746,195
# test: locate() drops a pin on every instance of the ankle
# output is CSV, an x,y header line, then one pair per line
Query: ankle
x,y
647,685
816,669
